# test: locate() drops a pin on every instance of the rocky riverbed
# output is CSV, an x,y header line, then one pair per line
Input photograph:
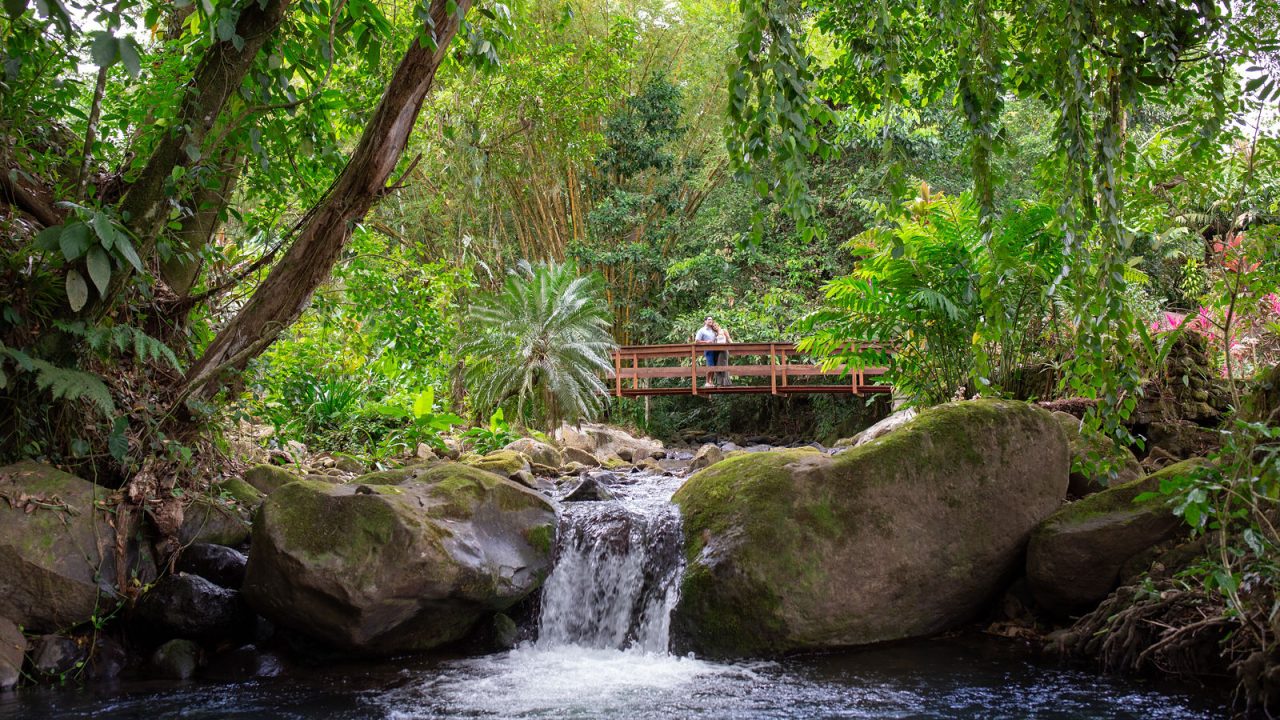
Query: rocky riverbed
x,y
964,516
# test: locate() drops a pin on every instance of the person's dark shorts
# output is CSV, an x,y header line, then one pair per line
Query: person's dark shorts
x,y
710,356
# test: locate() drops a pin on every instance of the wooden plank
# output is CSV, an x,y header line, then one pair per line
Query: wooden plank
x,y
773,370
617,372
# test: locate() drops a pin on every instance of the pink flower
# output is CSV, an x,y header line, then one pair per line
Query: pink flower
x,y
1272,301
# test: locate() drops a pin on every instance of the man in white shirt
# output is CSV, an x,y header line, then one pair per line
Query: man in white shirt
x,y
707,334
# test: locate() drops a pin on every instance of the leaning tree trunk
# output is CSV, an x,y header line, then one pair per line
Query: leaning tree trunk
x,y
180,271
327,227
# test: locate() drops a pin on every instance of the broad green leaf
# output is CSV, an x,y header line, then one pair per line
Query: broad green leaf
x,y
99,265
47,240
74,240
103,229
129,57
125,248
77,290
104,50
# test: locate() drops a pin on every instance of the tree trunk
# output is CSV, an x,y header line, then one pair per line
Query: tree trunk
x,y
145,206
327,227
180,271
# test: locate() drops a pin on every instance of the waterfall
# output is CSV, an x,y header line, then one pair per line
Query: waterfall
x,y
617,570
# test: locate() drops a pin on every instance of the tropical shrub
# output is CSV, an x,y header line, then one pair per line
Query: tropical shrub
x,y
540,345
945,311
495,436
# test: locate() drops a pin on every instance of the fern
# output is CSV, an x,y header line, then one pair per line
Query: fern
x,y
122,337
62,383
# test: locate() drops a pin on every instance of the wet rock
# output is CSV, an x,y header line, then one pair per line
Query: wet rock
x,y
58,560
1087,449
573,468
576,455
1075,556
587,489
213,520
176,660
243,663
267,479
191,607
54,655
220,565
544,470
537,452
706,456
505,632
13,650
796,550
406,568
109,659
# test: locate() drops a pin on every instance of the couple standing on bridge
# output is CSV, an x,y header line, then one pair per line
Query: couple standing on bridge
x,y
711,332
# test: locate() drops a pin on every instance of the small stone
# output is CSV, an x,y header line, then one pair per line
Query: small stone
x,y
505,632
109,659
706,456
425,453
176,659
56,654
588,490
221,565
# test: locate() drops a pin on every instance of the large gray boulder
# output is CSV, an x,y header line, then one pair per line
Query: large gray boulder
x,y
13,650
905,536
57,549
1075,556
381,569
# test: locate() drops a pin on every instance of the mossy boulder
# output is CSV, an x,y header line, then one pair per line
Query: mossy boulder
x,y
1087,449
214,520
268,478
1262,403
1075,556
906,536
382,569
246,495
502,462
57,550
537,452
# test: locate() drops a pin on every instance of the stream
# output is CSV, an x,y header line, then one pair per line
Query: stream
x,y
601,651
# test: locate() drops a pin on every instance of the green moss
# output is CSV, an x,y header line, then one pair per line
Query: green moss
x,y
385,477
502,462
318,519
242,492
542,538
268,478
1122,497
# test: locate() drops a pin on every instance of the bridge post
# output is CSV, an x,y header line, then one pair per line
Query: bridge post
x,y
617,372
693,368
773,369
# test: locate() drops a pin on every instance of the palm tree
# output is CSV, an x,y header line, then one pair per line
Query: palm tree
x,y
542,340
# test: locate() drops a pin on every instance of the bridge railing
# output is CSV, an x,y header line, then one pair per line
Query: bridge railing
x,y
772,360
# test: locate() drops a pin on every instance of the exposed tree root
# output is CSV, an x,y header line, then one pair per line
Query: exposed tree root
x,y
1175,631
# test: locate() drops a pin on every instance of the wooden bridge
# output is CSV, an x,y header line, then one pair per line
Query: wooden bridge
x,y
766,368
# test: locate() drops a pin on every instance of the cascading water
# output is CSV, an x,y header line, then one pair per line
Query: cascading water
x,y
617,571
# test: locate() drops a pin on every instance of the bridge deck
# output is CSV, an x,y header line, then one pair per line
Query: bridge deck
x,y
685,361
